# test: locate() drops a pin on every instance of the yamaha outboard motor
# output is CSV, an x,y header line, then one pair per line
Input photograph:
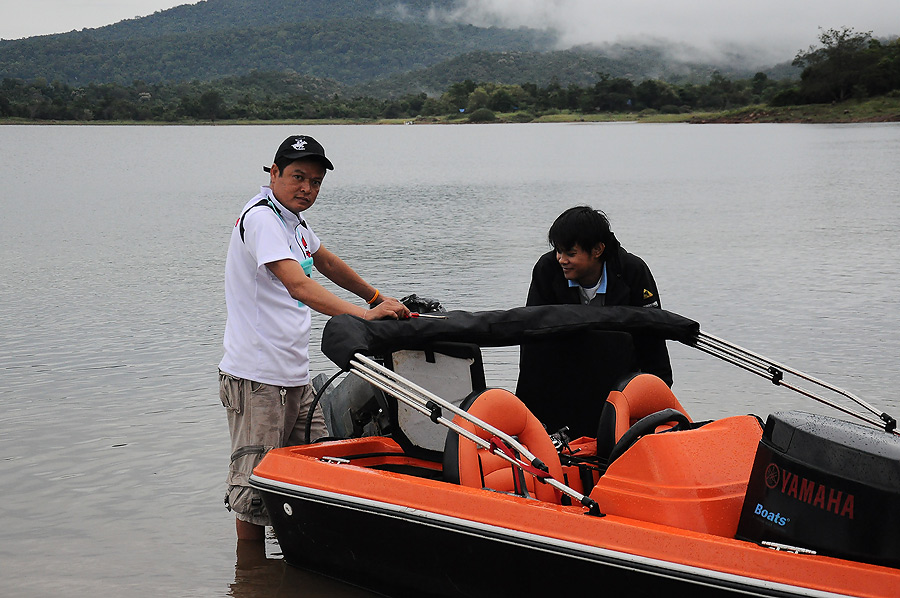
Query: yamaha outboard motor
x,y
825,485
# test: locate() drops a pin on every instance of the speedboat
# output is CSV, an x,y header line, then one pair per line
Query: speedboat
x,y
432,483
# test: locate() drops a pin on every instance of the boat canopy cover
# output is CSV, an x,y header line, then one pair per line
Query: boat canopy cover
x,y
346,335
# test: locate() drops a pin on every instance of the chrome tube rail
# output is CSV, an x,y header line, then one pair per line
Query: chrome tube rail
x,y
775,372
433,406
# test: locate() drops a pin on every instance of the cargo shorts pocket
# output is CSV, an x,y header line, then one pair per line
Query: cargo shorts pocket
x,y
246,502
243,461
231,392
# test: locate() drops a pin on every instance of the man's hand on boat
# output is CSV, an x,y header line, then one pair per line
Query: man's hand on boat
x,y
388,308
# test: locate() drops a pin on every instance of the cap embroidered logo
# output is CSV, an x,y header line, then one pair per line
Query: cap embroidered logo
x,y
299,144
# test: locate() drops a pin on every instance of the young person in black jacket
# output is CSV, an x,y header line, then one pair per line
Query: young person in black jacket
x,y
586,265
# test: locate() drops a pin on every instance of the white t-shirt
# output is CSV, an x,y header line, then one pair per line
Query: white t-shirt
x,y
267,330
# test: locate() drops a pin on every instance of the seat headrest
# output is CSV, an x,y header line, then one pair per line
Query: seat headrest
x,y
646,394
639,396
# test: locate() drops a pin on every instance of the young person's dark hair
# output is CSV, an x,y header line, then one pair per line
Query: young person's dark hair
x,y
585,227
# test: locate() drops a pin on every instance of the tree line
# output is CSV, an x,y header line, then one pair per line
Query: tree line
x,y
848,65
39,100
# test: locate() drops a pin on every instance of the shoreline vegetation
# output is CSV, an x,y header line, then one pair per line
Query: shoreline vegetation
x,y
874,110
851,78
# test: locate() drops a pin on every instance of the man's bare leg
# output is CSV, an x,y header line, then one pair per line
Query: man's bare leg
x,y
249,531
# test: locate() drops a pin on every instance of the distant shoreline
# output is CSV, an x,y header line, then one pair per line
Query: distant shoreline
x,y
874,110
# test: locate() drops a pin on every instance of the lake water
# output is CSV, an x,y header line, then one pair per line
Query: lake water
x,y
113,444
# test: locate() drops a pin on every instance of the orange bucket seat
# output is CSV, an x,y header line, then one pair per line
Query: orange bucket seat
x,y
470,465
638,397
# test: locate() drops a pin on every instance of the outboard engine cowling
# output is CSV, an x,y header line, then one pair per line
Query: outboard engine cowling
x,y
826,485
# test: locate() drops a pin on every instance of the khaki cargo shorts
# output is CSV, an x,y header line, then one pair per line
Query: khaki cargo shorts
x,y
262,417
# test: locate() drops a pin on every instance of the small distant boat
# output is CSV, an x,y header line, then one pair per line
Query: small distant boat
x,y
494,505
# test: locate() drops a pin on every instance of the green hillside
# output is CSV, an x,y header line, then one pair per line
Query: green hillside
x,y
222,15
385,48
389,69
348,51
579,66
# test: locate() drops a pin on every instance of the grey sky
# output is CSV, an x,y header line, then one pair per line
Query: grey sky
x,y
772,30
25,18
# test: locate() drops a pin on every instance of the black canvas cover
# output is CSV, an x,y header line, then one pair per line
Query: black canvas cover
x,y
346,335
565,381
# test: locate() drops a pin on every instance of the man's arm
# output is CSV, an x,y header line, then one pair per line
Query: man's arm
x,y
303,288
338,272
545,274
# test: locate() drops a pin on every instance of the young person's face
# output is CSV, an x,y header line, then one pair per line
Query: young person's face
x,y
297,186
581,266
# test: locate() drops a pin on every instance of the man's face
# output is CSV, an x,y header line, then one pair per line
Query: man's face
x,y
298,185
584,267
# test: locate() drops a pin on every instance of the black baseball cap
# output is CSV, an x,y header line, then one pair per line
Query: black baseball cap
x,y
301,146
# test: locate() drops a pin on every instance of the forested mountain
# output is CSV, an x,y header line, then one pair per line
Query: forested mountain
x,y
577,66
348,51
519,85
222,15
349,41
385,48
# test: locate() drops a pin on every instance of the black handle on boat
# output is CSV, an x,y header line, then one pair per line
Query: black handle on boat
x,y
434,411
538,464
774,372
591,505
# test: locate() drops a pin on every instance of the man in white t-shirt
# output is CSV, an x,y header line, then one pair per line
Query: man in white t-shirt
x,y
264,380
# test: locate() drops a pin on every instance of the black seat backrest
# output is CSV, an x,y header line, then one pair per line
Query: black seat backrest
x,y
565,381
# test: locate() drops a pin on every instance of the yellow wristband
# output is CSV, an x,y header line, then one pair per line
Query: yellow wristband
x,y
374,297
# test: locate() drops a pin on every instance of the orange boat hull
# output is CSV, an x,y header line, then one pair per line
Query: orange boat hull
x,y
313,491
